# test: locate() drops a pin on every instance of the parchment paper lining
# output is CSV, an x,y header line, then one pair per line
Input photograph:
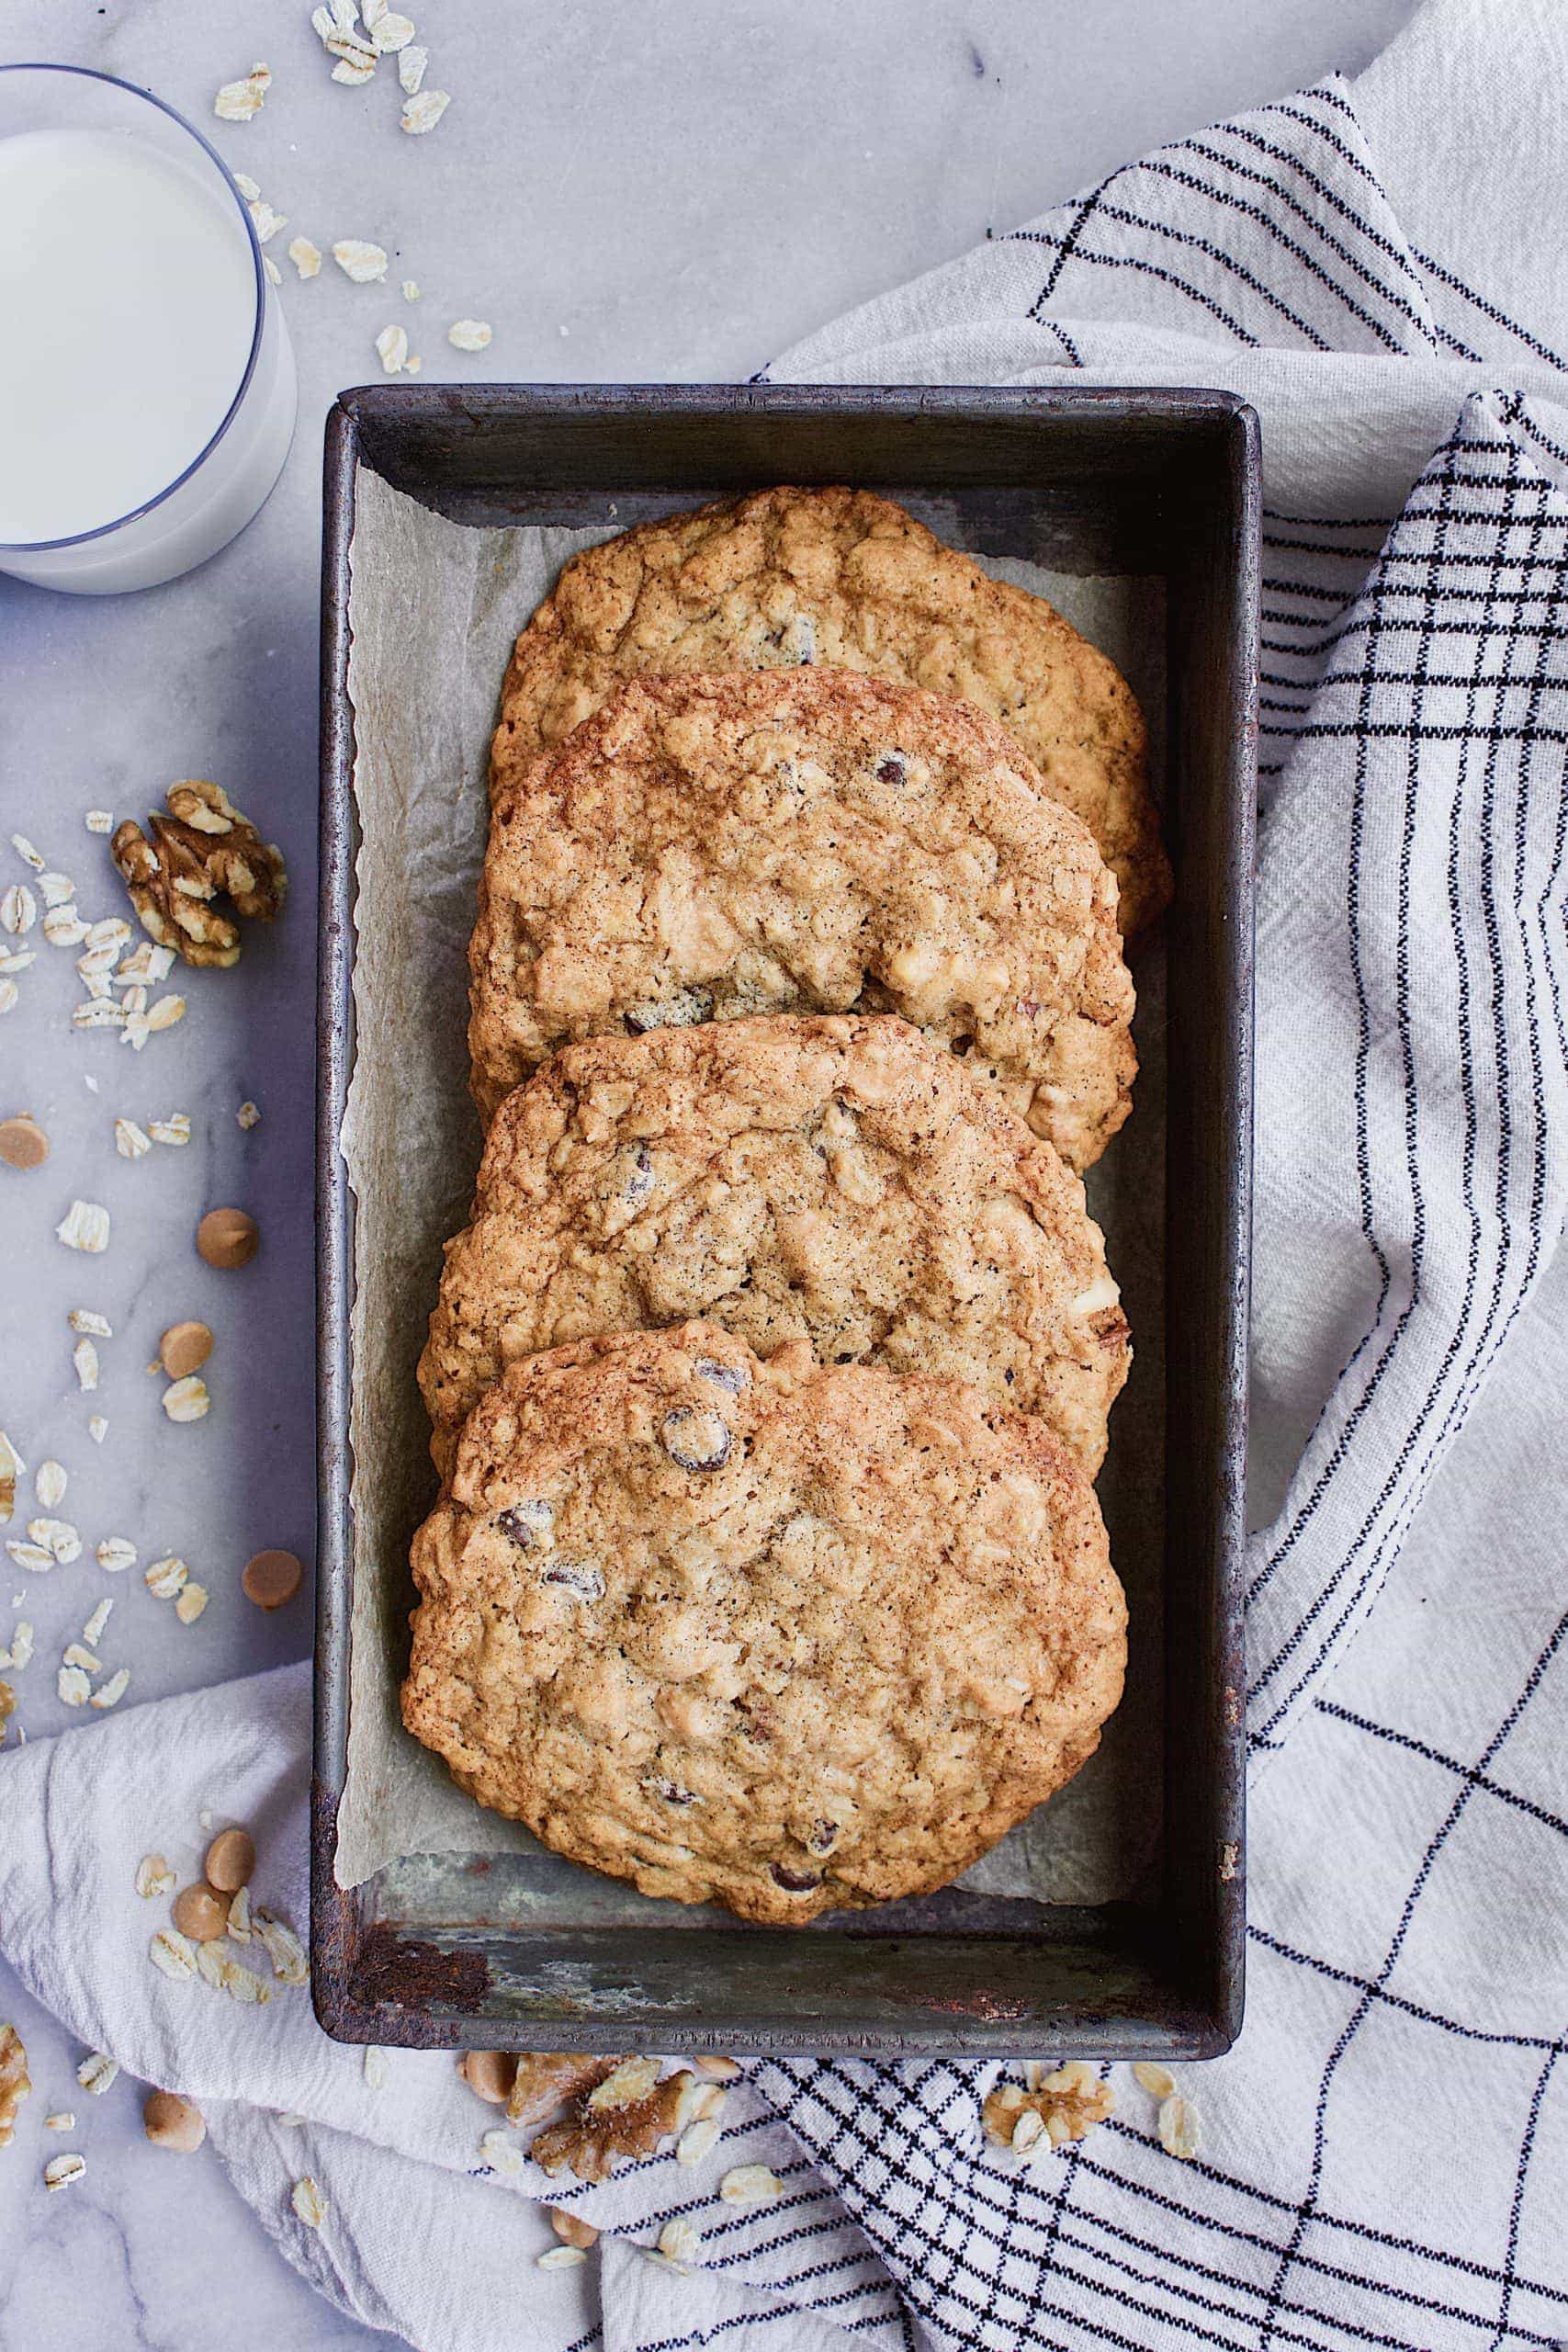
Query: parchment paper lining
x,y
434,608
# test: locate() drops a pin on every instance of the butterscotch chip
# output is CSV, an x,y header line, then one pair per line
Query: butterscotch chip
x,y
489,2073
570,2229
840,1182
228,1237
805,842
200,1914
271,1578
171,2121
23,1143
231,1858
846,579
184,1349
783,1635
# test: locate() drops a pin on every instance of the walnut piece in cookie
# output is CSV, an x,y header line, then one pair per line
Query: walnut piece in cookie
x,y
14,2081
628,2114
200,850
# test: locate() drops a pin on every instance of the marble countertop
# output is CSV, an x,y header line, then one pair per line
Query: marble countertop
x,y
639,189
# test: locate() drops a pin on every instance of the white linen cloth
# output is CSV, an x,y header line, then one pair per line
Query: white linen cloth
x,y
1383,269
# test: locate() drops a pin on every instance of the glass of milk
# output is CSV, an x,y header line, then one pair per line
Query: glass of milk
x,y
147,386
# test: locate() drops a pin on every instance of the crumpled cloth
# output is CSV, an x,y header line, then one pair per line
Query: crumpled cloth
x,y
1383,268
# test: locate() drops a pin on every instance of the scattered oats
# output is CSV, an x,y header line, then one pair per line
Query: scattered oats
x,y
275,275
110,1693
411,63
306,257
84,1226
99,821
248,189
59,1539
242,1985
1179,2127
710,2101
248,1115
131,1141
72,1686
64,2121
187,1399
12,1467
18,909
84,1357
375,2060
17,961
92,1631
501,2153
147,961
469,335
190,1604
175,1129
134,1000
392,32
240,1916
98,1012
392,347
165,1013
283,1948
61,2171
10,996
717,2070
111,931
77,1655
165,1577
323,24
51,1484
57,889
173,1952
27,853
424,111
97,2070
87,1319
410,289
205,1819
371,14
21,1652
751,2185
63,927
679,2242
366,265
1159,2081
97,1428
412,363
697,2139
32,1556
212,1966
561,2257
309,2202
268,221
115,1553
154,1876
356,66
238,101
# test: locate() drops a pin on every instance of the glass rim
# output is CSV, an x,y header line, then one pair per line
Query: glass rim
x,y
148,505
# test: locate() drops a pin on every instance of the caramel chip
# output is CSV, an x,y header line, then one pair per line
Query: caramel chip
x,y
200,1915
171,2121
271,1578
23,1143
184,1349
231,1858
491,2073
228,1237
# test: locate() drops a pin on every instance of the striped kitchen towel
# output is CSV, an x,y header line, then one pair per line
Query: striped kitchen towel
x,y
1383,268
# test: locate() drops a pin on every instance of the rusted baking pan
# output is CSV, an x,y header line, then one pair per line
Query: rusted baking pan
x,y
524,1950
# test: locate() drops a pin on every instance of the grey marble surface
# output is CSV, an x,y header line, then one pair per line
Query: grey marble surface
x,y
673,188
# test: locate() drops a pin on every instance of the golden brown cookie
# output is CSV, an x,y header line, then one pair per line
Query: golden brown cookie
x,y
846,579
784,1637
804,841
838,1180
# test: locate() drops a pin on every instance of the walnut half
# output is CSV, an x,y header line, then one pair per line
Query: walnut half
x,y
626,2115
1065,2106
15,2080
201,849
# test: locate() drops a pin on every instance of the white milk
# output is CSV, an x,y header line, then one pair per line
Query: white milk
x,y
128,304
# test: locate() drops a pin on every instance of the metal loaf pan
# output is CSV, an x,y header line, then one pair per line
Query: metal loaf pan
x,y
447,1954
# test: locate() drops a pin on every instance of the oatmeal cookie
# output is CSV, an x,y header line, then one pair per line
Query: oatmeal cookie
x,y
804,841
786,1636
849,580
837,1179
